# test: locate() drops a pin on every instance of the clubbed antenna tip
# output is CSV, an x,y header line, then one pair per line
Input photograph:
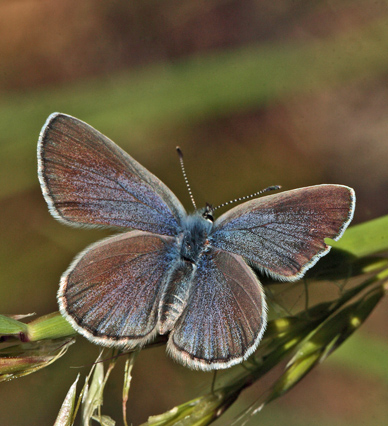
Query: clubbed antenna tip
x,y
179,151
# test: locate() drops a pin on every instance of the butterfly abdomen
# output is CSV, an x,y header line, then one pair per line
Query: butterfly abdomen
x,y
175,295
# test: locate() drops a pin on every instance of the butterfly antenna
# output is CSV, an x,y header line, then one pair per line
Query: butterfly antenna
x,y
270,188
185,176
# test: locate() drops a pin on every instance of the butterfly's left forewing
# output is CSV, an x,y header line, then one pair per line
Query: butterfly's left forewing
x,y
88,180
284,234
225,316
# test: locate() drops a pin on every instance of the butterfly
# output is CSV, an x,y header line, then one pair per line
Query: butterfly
x,y
177,274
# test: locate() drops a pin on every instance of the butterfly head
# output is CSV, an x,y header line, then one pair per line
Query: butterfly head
x,y
207,213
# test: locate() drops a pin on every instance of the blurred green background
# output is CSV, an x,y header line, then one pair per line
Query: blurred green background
x,y
255,92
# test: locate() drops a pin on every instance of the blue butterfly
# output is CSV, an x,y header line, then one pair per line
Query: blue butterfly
x,y
180,274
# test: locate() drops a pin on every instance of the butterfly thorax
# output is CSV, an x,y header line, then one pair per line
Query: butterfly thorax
x,y
193,239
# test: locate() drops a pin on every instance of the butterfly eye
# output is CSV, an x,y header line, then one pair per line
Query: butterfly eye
x,y
208,217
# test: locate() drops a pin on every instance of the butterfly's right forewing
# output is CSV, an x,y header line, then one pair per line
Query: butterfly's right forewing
x,y
284,234
87,179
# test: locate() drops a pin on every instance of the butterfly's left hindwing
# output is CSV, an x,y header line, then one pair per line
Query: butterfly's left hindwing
x,y
225,316
111,292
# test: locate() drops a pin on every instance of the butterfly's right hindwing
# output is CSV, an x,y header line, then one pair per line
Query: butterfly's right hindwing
x,y
225,316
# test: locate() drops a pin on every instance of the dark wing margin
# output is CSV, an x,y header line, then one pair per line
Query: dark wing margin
x,y
284,234
225,316
87,179
111,291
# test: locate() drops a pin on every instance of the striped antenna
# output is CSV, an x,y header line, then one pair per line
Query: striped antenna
x,y
185,176
270,188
